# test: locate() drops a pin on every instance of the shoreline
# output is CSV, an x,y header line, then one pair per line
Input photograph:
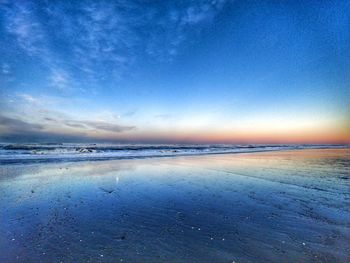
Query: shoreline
x,y
74,159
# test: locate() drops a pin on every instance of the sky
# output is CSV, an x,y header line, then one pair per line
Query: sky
x,y
175,71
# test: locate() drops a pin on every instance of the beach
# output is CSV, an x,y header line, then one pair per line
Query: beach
x,y
275,206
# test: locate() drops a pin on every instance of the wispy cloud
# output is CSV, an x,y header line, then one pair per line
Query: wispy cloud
x,y
22,25
85,42
60,79
175,23
28,98
22,22
5,69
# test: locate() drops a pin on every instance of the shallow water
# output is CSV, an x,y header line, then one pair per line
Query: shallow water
x,y
291,206
77,152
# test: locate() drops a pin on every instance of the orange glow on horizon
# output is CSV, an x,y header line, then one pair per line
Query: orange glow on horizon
x,y
304,137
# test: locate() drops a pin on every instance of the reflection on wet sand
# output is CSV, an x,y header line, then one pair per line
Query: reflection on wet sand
x,y
290,206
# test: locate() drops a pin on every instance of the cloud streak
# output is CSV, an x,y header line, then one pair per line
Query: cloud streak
x,y
28,116
97,125
14,125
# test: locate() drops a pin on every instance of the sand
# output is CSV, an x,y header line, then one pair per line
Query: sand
x,y
291,206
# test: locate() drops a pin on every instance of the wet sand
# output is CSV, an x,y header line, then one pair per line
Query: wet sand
x,y
291,206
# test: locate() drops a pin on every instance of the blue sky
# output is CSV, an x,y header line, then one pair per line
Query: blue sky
x,y
175,71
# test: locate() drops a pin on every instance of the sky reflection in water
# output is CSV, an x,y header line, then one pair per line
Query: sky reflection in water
x,y
260,207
